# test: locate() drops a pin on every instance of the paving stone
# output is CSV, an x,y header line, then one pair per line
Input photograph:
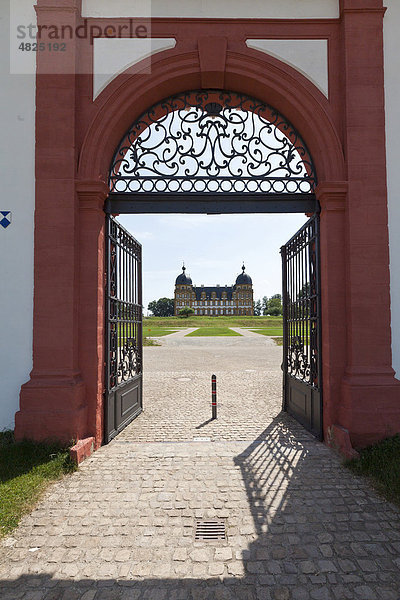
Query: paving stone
x,y
326,566
264,593
300,593
216,569
321,594
307,566
255,567
274,567
223,554
180,554
200,555
326,550
365,592
236,569
367,565
281,593
279,552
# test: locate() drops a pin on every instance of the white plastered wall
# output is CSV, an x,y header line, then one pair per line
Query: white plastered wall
x,y
17,157
112,57
309,57
392,91
234,9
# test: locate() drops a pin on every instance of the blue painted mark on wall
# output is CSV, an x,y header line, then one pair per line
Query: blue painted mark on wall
x,y
5,218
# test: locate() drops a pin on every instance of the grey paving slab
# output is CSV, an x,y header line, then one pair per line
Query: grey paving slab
x,y
299,525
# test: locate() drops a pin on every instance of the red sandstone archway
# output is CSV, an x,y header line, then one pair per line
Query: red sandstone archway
x,y
274,82
64,397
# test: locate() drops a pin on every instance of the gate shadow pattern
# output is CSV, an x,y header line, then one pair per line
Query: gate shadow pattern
x,y
319,532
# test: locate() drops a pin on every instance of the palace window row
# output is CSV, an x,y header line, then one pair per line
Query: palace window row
x,y
220,311
213,304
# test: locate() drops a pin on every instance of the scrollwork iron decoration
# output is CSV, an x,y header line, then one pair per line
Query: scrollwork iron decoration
x,y
130,361
212,141
298,363
302,299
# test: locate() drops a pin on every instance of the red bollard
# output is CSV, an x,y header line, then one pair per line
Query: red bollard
x,y
214,396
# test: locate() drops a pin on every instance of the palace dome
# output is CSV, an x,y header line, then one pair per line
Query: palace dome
x,y
183,279
243,278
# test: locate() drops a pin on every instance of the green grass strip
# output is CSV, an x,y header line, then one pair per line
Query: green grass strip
x,y
26,469
157,331
208,321
380,463
272,331
213,332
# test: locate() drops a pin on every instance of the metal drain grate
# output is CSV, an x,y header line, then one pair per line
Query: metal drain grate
x,y
210,530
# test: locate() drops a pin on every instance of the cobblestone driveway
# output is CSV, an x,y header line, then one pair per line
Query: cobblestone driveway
x,y
299,526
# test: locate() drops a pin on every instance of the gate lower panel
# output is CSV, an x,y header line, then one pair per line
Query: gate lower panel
x,y
123,405
304,404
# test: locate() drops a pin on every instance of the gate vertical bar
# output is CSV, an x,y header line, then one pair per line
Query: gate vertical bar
x,y
319,317
139,301
285,322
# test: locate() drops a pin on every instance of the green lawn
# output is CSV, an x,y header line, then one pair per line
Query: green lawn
x,y
26,469
212,332
381,465
278,331
156,331
249,322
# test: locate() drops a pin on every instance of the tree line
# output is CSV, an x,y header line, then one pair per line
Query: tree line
x,y
164,307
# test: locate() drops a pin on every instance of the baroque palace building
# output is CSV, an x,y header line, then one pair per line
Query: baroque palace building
x,y
215,301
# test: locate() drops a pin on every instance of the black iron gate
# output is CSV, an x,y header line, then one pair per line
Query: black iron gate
x,y
124,329
302,364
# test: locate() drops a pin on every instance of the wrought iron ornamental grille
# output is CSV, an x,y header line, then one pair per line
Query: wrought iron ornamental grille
x,y
302,326
124,327
212,142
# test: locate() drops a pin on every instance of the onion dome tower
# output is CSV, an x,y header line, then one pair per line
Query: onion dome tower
x,y
183,279
243,278
184,293
243,293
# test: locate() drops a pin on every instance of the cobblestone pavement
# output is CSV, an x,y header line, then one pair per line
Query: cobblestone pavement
x,y
177,384
299,526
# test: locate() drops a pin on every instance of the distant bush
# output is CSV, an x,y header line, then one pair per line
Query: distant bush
x,y
186,311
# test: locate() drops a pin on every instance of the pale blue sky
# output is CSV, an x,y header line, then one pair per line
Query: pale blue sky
x,y
213,248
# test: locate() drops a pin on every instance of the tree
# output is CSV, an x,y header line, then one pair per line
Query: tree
x,y
164,307
257,308
264,304
273,306
305,291
186,311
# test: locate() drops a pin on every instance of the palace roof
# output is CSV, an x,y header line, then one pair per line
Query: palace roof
x,y
218,290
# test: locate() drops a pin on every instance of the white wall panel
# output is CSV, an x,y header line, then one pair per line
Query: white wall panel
x,y
310,57
235,9
392,90
113,56
17,147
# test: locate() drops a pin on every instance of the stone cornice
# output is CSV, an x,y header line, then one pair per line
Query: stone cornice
x,y
332,195
91,194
